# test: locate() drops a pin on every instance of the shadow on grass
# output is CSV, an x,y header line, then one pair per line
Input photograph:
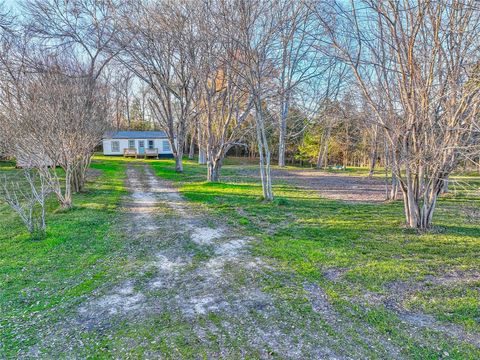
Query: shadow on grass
x,y
309,232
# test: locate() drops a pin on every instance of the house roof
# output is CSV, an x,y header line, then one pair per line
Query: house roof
x,y
135,135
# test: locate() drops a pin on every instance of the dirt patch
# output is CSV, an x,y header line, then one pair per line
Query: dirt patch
x,y
320,304
334,274
455,278
399,292
396,295
205,235
113,304
420,320
319,300
472,214
92,174
231,248
336,186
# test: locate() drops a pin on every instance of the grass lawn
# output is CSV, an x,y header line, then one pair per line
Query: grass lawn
x,y
360,253
372,269
40,278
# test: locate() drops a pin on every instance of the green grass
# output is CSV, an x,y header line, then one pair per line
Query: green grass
x,y
7,165
39,276
305,236
309,236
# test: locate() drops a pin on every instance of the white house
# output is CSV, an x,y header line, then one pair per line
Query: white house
x,y
115,143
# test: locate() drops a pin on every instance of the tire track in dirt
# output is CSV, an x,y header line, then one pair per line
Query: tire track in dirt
x,y
177,262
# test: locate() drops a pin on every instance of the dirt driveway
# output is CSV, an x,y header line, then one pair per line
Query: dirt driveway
x,y
198,282
200,275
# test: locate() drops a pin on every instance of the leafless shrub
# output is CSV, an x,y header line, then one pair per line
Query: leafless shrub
x,y
57,118
26,196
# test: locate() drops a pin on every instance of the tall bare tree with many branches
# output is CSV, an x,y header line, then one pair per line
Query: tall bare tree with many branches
x,y
417,66
255,26
157,43
223,100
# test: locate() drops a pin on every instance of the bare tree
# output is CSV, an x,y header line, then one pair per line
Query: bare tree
x,y
256,25
158,45
329,117
27,198
299,62
422,57
55,115
223,96
11,54
191,146
83,30
121,81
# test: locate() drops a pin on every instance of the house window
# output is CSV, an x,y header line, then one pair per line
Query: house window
x,y
166,146
150,144
131,144
115,146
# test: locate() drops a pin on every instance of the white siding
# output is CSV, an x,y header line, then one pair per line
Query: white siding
x,y
107,145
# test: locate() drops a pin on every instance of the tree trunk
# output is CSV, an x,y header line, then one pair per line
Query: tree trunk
x,y
202,154
65,199
283,132
191,151
43,223
386,167
213,174
373,162
77,181
346,151
430,201
127,108
178,161
79,175
322,152
388,164
419,212
264,152
373,152
178,146
202,157
281,147
394,187
445,186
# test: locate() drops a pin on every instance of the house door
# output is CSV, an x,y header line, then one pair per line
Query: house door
x,y
141,147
